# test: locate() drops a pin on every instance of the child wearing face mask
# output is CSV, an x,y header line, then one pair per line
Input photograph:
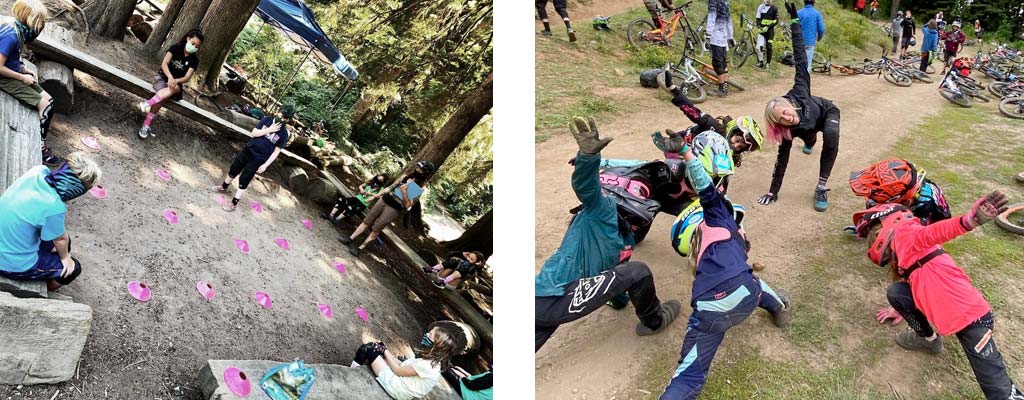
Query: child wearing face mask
x,y
414,377
348,206
16,80
179,63
34,244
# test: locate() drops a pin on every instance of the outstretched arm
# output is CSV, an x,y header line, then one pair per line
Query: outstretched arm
x,y
716,213
585,181
802,80
983,211
781,162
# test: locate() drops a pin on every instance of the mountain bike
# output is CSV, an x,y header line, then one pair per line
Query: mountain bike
x,y
706,71
959,89
641,32
1012,107
893,74
1002,90
828,66
746,45
687,78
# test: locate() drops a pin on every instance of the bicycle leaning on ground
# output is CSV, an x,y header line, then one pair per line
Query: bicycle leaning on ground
x,y
641,32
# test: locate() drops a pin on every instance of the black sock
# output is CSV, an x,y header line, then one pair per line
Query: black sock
x,y
547,26
567,24
234,201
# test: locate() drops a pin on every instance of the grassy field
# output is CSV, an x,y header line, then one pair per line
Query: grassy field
x,y
836,352
586,77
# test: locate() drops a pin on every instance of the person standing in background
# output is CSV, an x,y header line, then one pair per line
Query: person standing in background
x,y
719,38
561,7
813,27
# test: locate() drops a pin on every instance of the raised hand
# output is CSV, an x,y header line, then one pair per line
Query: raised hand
x,y
768,198
987,208
587,138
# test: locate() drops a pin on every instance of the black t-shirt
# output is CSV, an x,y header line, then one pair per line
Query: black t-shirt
x,y
908,27
263,146
180,62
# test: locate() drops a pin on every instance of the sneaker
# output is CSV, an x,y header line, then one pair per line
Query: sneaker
x,y
354,251
230,207
572,36
723,89
144,107
144,131
781,319
218,189
909,340
345,240
50,159
821,199
760,64
807,149
669,311
546,33
439,283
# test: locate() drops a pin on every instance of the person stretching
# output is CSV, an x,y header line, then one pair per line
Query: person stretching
x,y
929,288
561,8
725,291
798,114
591,265
180,62
268,138
390,204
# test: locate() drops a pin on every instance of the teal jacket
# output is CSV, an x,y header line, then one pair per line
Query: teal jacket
x,y
592,243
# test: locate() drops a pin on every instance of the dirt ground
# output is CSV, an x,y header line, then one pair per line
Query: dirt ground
x,y
600,357
154,350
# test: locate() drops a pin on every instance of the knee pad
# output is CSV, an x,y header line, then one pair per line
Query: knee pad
x,y
71,277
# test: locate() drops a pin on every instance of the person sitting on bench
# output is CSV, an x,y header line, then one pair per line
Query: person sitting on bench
x,y
179,63
411,378
349,206
29,19
34,245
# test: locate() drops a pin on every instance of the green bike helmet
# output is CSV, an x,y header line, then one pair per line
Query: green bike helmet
x,y
714,153
751,131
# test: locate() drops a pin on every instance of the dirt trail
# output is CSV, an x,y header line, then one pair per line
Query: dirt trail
x,y
875,115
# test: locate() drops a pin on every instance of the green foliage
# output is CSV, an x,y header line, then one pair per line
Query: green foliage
x,y
465,181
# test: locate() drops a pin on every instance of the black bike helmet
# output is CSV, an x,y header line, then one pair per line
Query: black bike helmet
x,y
426,166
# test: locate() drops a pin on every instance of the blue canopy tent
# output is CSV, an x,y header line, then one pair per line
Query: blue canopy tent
x,y
296,21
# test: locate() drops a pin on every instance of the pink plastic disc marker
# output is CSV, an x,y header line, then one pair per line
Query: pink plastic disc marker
x,y
205,289
308,224
263,299
363,315
340,267
242,246
237,381
139,291
171,216
325,310
282,242
91,142
163,174
98,191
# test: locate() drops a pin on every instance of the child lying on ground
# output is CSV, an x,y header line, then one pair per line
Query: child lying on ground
x,y
34,244
28,22
930,288
414,377
458,265
349,206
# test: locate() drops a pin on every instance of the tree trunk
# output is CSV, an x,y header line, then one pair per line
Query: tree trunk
x,y
476,104
479,237
190,17
109,18
159,35
221,26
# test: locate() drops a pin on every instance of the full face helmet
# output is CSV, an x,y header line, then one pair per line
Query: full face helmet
x,y
749,129
889,216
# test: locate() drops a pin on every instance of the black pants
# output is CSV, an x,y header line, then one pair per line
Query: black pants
x,y
589,294
348,206
925,55
246,165
769,39
560,7
976,340
718,59
830,143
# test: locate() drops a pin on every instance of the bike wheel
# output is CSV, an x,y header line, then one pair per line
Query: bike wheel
x,y
1012,107
898,79
732,82
743,50
997,88
955,98
818,58
870,69
821,69
1012,220
695,93
1020,177
636,34
921,76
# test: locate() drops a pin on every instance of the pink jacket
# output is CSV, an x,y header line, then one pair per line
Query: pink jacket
x,y
942,291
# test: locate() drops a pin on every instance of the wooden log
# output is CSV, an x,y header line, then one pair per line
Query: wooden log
x,y
57,79
19,139
322,191
297,178
59,82
243,120
48,48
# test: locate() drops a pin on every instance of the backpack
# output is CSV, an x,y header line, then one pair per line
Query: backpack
x,y
635,211
888,181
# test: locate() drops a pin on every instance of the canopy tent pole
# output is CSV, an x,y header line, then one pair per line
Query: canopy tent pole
x,y
297,67
348,84
257,35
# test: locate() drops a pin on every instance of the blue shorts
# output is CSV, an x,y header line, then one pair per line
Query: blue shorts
x,y
48,267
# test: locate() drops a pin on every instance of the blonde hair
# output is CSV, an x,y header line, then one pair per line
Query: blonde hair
x,y
776,131
85,168
32,13
442,351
